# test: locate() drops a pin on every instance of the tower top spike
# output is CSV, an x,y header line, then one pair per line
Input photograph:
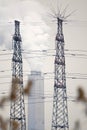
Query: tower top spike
x,y
17,22
17,36
61,13
59,19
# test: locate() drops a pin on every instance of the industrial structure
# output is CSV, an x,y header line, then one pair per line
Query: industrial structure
x,y
36,102
60,110
17,109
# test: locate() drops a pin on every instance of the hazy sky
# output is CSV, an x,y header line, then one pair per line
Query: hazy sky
x,y
38,30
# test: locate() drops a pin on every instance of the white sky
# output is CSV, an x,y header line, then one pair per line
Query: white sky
x,y
38,33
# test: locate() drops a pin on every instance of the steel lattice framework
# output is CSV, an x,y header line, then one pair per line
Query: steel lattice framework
x,y
17,110
60,111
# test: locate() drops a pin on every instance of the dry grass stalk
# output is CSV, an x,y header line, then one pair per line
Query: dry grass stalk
x,y
3,100
12,97
15,125
3,124
14,89
28,88
81,95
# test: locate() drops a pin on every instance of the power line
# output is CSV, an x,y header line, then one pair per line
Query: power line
x,y
69,55
78,78
39,22
26,72
50,101
48,53
50,74
41,96
44,50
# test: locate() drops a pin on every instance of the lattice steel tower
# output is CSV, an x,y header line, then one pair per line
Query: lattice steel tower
x,y
17,110
60,111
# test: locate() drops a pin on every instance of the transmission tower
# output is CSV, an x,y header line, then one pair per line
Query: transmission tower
x,y
17,109
60,111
